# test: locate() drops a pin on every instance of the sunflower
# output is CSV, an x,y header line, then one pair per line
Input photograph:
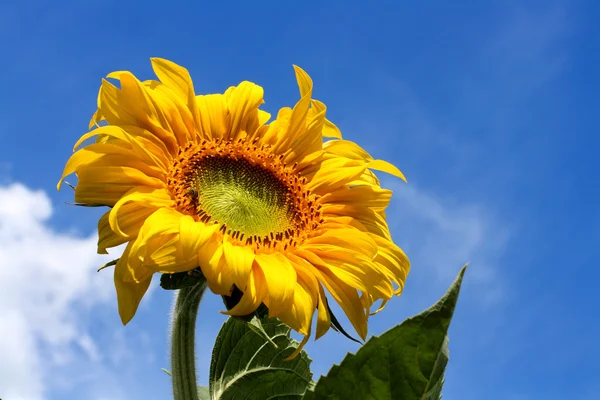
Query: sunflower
x,y
270,209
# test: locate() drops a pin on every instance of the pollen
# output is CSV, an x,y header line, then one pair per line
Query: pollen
x,y
250,192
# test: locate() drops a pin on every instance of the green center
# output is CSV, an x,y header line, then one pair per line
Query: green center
x,y
247,198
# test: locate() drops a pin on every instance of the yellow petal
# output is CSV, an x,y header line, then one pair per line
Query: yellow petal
x,y
173,114
362,218
280,277
150,105
96,118
238,260
143,198
361,196
129,161
212,262
134,97
159,229
176,77
305,84
347,149
331,174
213,116
345,239
116,74
307,271
345,295
274,135
107,184
179,80
125,140
138,101
330,130
193,235
311,140
351,150
323,317
131,218
299,315
347,298
109,107
170,242
129,292
298,349
125,175
254,294
385,166
297,121
82,157
243,102
263,117
306,297
149,142
365,275
392,259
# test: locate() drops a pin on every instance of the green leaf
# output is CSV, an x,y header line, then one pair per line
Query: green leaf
x,y
434,392
255,324
203,393
85,205
108,264
405,363
245,366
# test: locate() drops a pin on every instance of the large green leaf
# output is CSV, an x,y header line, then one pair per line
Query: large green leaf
x,y
405,363
246,366
203,393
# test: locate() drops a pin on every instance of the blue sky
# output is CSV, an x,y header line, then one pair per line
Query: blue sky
x,y
489,108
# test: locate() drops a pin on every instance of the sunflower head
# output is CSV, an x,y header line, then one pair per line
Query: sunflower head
x,y
270,211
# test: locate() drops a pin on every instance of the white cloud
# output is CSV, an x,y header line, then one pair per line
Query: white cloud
x,y
441,235
48,281
20,374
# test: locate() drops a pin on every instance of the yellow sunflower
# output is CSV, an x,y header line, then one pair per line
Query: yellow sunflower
x,y
203,180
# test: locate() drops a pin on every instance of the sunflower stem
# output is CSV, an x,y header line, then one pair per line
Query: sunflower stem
x,y
183,330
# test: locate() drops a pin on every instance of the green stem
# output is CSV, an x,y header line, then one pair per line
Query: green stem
x,y
183,357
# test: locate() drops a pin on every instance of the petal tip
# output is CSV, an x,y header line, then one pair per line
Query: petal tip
x,y
125,316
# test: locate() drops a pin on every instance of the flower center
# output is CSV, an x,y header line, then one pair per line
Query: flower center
x,y
245,197
249,191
